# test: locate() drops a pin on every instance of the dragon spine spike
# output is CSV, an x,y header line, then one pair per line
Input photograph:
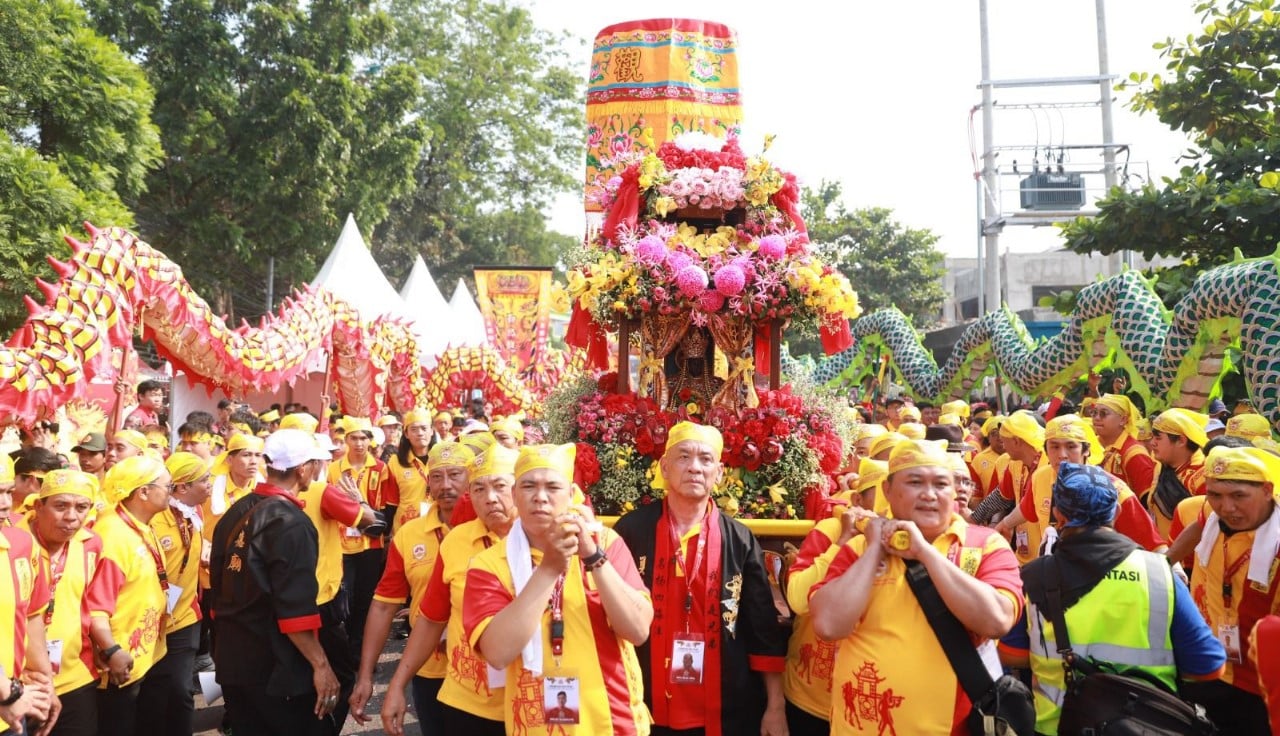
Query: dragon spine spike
x,y
64,269
49,290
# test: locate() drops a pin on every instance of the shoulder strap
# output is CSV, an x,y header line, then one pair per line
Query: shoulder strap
x,y
1057,614
952,635
244,520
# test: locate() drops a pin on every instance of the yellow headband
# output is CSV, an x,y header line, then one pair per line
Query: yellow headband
x,y
1242,463
884,442
959,407
74,482
688,431
185,467
559,458
510,425
948,417
242,428
871,473
157,439
245,442
132,437
443,416
271,416
478,441
1022,424
1248,426
909,413
1143,430
129,475
299,420
497,460
1120,404
912,430
991,424
1075,428
417,416
450,455
1183,422
6,468
356,424
869,432
918,454
205,437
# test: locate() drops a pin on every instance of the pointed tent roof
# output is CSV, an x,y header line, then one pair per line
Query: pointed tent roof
x,y
423,300
351,274
467,320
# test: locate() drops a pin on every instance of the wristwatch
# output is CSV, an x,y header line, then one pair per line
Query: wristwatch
x,y
110,652
594,561
15,692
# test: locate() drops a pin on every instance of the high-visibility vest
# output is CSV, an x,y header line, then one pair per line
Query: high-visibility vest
x,y
1124,621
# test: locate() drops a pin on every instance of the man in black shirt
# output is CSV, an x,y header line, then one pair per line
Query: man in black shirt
x,y
274,674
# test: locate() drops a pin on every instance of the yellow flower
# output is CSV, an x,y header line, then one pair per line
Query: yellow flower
x,y
620,461
646,139
646,181
664,205
777,493
729,505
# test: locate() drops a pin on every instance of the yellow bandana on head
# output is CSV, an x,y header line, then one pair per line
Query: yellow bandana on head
x,y
6,469
559,458
1075,428
959,407
1242,463
270,416
884,442
356,424
129,475
418,416
706,434
1248,426
1022,424
157,440
958,465
497,460
919,454
185,467
992,424
909,414
57,482
238,441
871,473
242,428
299,420
869,432
1143,429
443,416
478,441
199,437
1183,422
948,417
511,425
912,430
450,455
132,437
1120,404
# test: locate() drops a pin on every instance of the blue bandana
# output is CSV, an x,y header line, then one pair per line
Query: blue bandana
x,y
1085,495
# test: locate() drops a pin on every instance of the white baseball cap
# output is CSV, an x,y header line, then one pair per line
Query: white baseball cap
x,y
288,448
326,444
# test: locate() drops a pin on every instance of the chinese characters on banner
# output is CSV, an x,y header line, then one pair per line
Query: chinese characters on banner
x,y
516,304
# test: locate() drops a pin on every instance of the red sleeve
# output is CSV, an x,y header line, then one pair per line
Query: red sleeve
x,y
390,490
338,506
294,624
40,592
1133,521
1027,505
394,584
101,595
1266,641
1140,472
484,598
620,557
843,561
1006,484
814,544
435,602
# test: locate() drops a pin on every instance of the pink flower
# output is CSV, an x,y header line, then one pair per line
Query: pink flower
x,y
678,260
711,301
773,247
650,250
620,144
595,136
700,187
730,280
692,281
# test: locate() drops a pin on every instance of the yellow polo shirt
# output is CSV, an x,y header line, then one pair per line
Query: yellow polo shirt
x,y
411,488
369,478
806,681
134,601
64,629
181,544
410,561
331,513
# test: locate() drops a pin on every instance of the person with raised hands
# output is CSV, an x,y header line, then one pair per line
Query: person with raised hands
x,y
559,605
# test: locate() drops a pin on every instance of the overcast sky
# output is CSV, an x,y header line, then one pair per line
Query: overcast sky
x,y
878,95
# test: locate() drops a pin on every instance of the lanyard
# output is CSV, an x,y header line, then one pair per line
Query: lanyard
x,y
417,464
185,534
127,518
1229,571
57,566
557,620
697,563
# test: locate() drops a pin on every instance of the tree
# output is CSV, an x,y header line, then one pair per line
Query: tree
x,y
273,129
78,138
1220,89
887,263
505,113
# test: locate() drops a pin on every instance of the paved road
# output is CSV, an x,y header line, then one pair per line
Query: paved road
x,y
208,717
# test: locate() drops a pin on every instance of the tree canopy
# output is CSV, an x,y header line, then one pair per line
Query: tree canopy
x,y
78,138
1220,87
887,263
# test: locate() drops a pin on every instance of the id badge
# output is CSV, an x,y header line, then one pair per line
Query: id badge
x,y
685,665
560,701
54,647
353,532
1021,541
1229,635
172,595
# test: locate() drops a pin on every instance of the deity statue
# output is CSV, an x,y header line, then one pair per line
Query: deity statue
x,y
691,366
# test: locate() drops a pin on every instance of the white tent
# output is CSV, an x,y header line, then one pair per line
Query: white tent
x,y
433,318
467,320
351,274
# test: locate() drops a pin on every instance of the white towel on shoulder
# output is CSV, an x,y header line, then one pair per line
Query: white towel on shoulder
x,y
1266,542
520,562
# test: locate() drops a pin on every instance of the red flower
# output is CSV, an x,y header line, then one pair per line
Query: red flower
x,y
607,383
586,466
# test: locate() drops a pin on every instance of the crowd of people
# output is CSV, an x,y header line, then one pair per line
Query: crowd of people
x,y
279,551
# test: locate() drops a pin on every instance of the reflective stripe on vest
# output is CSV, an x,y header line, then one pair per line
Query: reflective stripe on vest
x,y
1105,625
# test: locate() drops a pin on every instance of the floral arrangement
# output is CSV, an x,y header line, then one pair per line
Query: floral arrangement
x,y
774,454
760,267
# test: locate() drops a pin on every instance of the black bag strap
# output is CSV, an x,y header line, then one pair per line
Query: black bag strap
x,y
954,638
1058,616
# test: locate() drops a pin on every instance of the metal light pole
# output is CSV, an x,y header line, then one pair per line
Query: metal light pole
x,y
991,226
1108,131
